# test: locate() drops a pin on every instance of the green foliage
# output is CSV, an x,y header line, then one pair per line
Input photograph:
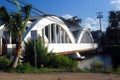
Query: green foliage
x,y
45,59
111,38
61,61
114,18
22,68
4,62
28,53
97,66
41,50
118,70
112,35
74,21
15,22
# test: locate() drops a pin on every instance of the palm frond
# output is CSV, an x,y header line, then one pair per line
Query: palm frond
x,y
4,16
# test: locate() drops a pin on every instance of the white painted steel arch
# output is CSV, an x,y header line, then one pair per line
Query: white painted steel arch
x,y
75,45
42,22
82,33
2,28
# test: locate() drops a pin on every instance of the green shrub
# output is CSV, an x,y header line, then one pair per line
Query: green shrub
x,y
22,68
45,59
61,61
117,70
41,51
97,66
4,62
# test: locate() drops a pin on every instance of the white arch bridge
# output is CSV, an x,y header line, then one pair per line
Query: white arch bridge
x,y
59,37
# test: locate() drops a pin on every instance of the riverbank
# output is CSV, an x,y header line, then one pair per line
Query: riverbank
x,y
58,76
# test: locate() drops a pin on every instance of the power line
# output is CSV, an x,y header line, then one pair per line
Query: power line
x,y
26,3
22,7
39,12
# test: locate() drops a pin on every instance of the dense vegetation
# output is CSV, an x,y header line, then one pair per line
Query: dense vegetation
x,y
46,61
111,39
15,24
45,58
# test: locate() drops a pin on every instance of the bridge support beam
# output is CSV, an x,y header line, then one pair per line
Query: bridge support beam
x,y
49,34
60,34
55,33
43,35
68,40
63,36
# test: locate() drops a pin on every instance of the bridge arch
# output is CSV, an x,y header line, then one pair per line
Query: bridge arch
x,y
85,36
49,28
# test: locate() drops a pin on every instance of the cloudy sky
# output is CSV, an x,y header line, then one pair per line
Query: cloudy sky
x,y
84,9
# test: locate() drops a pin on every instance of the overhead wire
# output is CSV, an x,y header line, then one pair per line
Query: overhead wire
x,y
38,11
22,7
26,3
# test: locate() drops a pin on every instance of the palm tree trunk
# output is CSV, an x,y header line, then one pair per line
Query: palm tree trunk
x,y
15,62
17,55
18,51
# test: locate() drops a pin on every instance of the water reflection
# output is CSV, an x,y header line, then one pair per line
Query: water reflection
x,y
83,64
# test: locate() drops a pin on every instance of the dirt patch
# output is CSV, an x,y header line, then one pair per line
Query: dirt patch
x,y
58,76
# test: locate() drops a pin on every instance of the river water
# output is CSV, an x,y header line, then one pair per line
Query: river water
x,y
85,63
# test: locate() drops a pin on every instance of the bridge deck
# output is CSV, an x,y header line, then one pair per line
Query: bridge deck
x,y
70,48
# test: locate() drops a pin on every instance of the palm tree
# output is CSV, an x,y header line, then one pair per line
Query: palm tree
x,y
113,19
15,23
111,41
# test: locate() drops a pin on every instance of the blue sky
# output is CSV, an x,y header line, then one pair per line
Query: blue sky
x,y
84,9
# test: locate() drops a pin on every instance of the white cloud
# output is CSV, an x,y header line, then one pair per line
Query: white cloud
x,y
94,24
67,16
116,4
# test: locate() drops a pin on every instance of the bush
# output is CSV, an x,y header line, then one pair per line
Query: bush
x,y
22,68
97,66
4,62
117,70
41,51
45,59
61,61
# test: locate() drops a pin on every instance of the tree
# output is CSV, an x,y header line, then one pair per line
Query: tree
x,y
113,30
114,18
15,23
72,22
112,38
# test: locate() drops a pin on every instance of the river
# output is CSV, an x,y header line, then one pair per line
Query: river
x,y
85,63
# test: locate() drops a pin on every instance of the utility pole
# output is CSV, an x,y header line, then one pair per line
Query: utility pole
x,y
100,16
